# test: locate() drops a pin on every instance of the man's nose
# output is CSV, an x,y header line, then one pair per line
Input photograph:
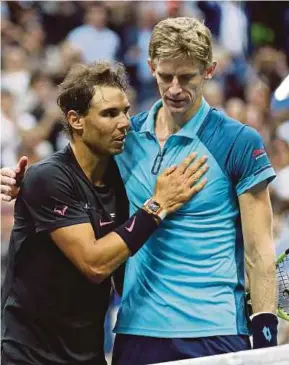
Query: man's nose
x,y
175,87
124,121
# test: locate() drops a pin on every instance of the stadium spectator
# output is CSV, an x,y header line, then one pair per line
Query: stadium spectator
x,y
93,38
214,94
236,109
10,136
137,55
15,72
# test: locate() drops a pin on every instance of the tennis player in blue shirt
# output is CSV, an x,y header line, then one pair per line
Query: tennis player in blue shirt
x,y
184,290
184,293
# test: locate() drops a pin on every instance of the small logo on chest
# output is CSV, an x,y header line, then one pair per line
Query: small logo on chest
x,y
61,210
259,153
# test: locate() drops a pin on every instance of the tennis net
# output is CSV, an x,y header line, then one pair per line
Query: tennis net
x,y
269,356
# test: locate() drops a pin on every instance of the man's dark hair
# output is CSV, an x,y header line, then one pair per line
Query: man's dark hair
x,y
78,87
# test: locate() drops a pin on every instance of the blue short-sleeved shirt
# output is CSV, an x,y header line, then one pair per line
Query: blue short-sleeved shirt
x,y
188,279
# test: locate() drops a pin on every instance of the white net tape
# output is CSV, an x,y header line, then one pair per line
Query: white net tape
x,y
270,356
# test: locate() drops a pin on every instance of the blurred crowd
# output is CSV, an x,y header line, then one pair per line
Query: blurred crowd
x,y
41,40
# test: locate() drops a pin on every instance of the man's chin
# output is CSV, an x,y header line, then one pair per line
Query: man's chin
x,y
177,107
178,110
116,151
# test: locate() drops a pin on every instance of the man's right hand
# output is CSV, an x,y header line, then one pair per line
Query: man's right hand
x,y
11,178
177,184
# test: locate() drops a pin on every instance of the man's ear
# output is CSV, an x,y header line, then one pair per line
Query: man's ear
x,y
209,72
75,120
152,67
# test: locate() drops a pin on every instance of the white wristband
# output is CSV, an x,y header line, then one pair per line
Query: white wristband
x,y
256,314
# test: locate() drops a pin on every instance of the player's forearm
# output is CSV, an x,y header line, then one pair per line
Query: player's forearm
x,y
262,280
112,250
107,255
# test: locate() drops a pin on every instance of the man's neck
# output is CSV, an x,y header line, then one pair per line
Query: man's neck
x,y
94,166
168,123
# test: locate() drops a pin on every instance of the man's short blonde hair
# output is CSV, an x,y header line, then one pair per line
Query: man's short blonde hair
x,y
181,37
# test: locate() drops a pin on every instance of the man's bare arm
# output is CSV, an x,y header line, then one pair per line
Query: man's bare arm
x,y
98,258
256,215
95,258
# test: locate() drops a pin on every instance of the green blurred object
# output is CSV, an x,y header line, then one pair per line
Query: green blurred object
x,y
261,34
282,268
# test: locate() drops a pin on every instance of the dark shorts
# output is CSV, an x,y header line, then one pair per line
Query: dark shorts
x,y
18,354
142,350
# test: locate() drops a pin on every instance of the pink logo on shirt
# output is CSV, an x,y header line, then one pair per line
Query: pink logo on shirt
x,y
60,210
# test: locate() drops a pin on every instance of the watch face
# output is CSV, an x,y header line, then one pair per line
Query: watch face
x,y
154,206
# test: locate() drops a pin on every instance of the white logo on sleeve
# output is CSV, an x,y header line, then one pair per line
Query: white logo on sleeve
x,y
267,333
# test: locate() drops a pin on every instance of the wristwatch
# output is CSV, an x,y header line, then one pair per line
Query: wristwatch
x,y
154,208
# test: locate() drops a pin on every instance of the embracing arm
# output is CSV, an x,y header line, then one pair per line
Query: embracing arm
x,y
256,215
95,258
73,233
98,258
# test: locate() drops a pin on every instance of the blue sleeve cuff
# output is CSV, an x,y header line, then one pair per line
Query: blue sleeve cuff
x,y
253,180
